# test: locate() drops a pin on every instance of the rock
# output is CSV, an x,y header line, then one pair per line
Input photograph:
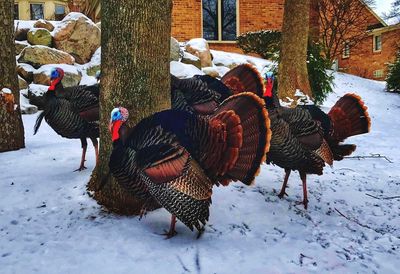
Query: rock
x,y
19,46
175,50
77,35
40,37
190,59
25,106
44,24
182,70
211,71
42,55
21,34
22,83
98,24
36,95
25,71
199,47
72,76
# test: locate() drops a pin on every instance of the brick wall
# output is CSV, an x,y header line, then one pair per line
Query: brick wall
x,y
363,61
186,19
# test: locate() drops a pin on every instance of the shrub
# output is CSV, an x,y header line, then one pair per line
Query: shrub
x,y
393,77
266,43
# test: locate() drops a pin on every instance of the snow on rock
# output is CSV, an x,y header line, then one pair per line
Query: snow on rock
x,y
72,74
6,91
36,94
41,55
182,70
25,106
231,60
199,47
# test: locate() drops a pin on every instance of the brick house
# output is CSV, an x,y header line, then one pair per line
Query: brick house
x,y
221,21
40,9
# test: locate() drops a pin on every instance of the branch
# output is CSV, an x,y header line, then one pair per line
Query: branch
x,y
383,197
373,156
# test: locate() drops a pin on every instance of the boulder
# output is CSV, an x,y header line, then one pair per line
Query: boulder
x,y
36,95
25,106
211,71
40,37
77,35
21,34
42,55
22,84
25,71
175,50
72,75
199,47
190,59
44,24
94,64
19,46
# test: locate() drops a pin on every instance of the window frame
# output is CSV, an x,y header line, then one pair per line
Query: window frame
x,y
36,3
220,40
344,55
378,74
374,43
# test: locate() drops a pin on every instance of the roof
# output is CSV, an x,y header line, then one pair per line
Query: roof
x,y
384,29
374,13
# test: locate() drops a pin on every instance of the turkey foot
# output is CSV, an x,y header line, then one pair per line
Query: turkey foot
x,y
82,167
304,202
284,186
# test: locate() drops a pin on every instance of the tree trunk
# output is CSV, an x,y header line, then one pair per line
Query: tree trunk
x,y
135,75
11,127
293,72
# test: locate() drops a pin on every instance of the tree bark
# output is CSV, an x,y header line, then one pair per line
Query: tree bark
x,y
292,69
11,127
135,75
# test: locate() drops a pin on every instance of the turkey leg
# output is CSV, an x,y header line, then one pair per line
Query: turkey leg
x,y
284,186
84,148
303,177
172,232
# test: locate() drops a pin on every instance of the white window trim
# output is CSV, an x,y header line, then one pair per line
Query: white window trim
x,y
374,43
220,24
344,56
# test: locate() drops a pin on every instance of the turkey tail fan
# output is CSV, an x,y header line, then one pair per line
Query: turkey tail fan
x,y
255,135
215,85
39,120
350,117
244,78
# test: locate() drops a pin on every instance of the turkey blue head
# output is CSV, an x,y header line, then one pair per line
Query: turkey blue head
x,y
269,85
56,75
118,117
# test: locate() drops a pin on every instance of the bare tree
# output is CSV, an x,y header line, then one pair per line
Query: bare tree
x,y
11,129
135,75
293,73
342,22
394,13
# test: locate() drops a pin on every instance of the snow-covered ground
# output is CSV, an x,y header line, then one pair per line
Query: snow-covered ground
x,y
49,224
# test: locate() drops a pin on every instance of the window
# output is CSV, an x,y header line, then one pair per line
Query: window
x,y
220,20
16,12
377,43
346,50
37,11
378,73
59,12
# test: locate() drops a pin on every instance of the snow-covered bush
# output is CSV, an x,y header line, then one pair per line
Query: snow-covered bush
x,y
393,78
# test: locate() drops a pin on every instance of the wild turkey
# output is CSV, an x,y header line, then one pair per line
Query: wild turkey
x,y
201,94
72,112
305,138
174,157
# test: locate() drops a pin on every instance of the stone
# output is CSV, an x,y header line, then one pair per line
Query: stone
x,y
19,46
72,75
25,106
21,34
190,59
199,47
211,71
42,55
94,64
40,37
25,71
175,50
44,24
36,95
77,35
22,84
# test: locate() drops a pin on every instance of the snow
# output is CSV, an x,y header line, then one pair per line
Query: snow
x,y
26,107
46,69
6,91
49,224
37,89
182,70
198,44
231,60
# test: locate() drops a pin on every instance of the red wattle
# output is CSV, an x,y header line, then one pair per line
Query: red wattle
x,y
53,84
115,130
268,88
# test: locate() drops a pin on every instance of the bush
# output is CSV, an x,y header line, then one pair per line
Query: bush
x,y
266,43
393,78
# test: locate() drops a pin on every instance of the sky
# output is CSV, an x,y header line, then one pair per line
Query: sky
x,y
382,6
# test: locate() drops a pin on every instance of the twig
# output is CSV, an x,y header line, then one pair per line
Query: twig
x,y
354,220
373,156
383,197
